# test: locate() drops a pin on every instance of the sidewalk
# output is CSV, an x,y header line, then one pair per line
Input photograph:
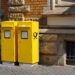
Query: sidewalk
x,y
37,70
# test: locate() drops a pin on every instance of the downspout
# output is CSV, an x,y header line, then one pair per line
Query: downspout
x,y
0,4
51,4
58,1
0,8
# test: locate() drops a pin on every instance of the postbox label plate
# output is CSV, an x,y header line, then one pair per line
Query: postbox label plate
x,y
7,34
24,35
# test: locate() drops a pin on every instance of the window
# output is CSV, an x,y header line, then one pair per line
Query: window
x,y
24,35
7,34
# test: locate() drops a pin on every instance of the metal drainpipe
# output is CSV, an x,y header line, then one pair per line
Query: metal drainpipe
x,y
0,4
52,4
58,1
0,8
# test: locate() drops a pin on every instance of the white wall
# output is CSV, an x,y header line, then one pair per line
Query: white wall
x,y
60,20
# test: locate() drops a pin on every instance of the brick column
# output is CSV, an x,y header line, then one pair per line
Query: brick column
x,y
4,6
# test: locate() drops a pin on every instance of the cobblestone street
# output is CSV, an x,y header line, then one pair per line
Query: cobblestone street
x,y
37,70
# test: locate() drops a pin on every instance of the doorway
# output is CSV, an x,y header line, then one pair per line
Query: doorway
x,y
70,52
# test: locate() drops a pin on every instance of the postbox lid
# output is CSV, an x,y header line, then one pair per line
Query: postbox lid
x,y
8,24
24,24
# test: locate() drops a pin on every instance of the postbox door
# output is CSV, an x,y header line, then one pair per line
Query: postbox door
x,y
24,45
8,45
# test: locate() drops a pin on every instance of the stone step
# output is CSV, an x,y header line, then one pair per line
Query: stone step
x,y
48,59
65,5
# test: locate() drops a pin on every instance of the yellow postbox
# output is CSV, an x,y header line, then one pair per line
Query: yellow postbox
x,y
28,42
8,45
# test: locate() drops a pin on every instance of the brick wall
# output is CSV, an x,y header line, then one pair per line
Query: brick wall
x,y
36,9
4,5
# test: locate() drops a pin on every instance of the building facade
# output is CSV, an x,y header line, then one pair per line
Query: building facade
x,y
57,27
59,35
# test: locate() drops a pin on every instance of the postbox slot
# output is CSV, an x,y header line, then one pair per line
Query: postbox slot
x,y
7,34
24,34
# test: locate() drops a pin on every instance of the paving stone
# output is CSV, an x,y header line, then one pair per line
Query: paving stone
x,y
37,70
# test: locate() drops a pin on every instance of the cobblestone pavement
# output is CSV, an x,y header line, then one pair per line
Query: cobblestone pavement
x,y
37,70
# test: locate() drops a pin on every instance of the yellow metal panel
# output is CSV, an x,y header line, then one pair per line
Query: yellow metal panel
x,y
35,42
8,44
